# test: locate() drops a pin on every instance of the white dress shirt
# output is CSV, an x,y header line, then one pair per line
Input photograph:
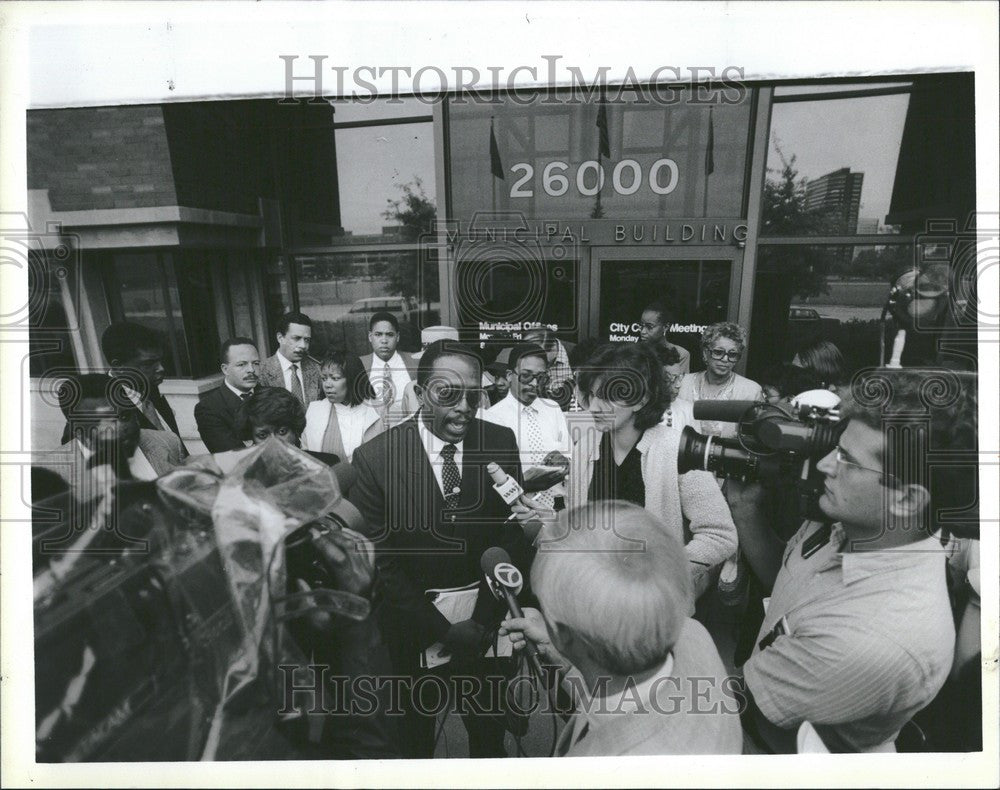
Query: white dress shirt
x,y
286,372
433,446
398,374
353,421
511,413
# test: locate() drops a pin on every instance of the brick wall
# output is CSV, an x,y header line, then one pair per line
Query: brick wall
x,y
101,157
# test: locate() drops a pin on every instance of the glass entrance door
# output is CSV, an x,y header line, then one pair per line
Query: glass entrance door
x,y
698,286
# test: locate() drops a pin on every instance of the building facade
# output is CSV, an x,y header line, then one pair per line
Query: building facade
x,y
788,208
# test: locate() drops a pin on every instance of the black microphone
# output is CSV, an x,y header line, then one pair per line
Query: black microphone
x,y
723,410
505,582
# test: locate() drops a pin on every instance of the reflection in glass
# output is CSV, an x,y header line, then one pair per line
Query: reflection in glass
x,y
836,293
549,153
495,288
832,164
375,165
341,291
697,291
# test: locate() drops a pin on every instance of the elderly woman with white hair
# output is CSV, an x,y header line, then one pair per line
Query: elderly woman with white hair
x,y
722,347
614,593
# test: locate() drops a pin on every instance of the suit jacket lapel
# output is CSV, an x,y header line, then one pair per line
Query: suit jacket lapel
x,y
472,467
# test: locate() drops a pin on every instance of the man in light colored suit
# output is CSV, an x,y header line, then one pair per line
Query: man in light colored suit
x,y
614,589
389,370
291,367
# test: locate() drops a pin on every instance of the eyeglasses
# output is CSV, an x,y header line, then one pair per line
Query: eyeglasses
x,y
448,396
721,354
844,458
526,377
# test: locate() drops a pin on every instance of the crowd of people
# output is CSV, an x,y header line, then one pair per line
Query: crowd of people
x,y
622,553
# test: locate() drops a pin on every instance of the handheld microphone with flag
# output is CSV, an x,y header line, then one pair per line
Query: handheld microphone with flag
x,y
505,582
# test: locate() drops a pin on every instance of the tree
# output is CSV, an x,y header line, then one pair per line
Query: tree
x,y
415,212
784,273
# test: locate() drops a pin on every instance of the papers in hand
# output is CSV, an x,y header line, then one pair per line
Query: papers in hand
x,y
457,604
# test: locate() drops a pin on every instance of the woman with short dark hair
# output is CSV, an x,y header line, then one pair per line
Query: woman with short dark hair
x,y
634,456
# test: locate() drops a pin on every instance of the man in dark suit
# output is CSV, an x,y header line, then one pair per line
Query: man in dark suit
x,y
429,502
291,367
217,410
135,356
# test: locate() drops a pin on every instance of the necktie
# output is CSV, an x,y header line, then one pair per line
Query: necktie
x,y
384,388
535,445
297,385
333,441
245,395
451,480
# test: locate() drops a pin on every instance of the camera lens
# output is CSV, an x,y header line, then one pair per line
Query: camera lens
x,y
723,457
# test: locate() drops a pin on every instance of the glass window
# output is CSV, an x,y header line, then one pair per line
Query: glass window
x,y
822,180
502,295
685,159
836,293
341,291
385,175
844,163
48,323
697,291
173,295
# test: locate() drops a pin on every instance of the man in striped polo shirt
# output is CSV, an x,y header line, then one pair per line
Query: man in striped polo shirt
x,y
858,635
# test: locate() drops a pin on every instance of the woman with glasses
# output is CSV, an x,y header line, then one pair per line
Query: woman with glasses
x,y
722,347
633,456
342,421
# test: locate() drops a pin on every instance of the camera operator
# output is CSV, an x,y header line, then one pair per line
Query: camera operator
x,y
614,590
858,635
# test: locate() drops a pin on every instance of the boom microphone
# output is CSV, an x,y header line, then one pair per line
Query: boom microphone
x,y
505,581
722,410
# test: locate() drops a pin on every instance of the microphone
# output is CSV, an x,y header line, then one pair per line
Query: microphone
x,y
505,582
722,410
505,485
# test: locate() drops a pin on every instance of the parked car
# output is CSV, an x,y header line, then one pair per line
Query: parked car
x,y
399,306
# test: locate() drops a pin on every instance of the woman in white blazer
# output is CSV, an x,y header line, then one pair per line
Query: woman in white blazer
x,y
632,455
346,387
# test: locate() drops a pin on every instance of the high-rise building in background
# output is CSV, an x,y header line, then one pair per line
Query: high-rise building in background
x,y
838,195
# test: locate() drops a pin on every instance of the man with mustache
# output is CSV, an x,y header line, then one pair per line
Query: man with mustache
x,y
428,501
538,423
216,412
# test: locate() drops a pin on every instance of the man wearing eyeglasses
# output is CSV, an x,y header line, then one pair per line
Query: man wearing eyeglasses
x,y
538,423
424,490
858,635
